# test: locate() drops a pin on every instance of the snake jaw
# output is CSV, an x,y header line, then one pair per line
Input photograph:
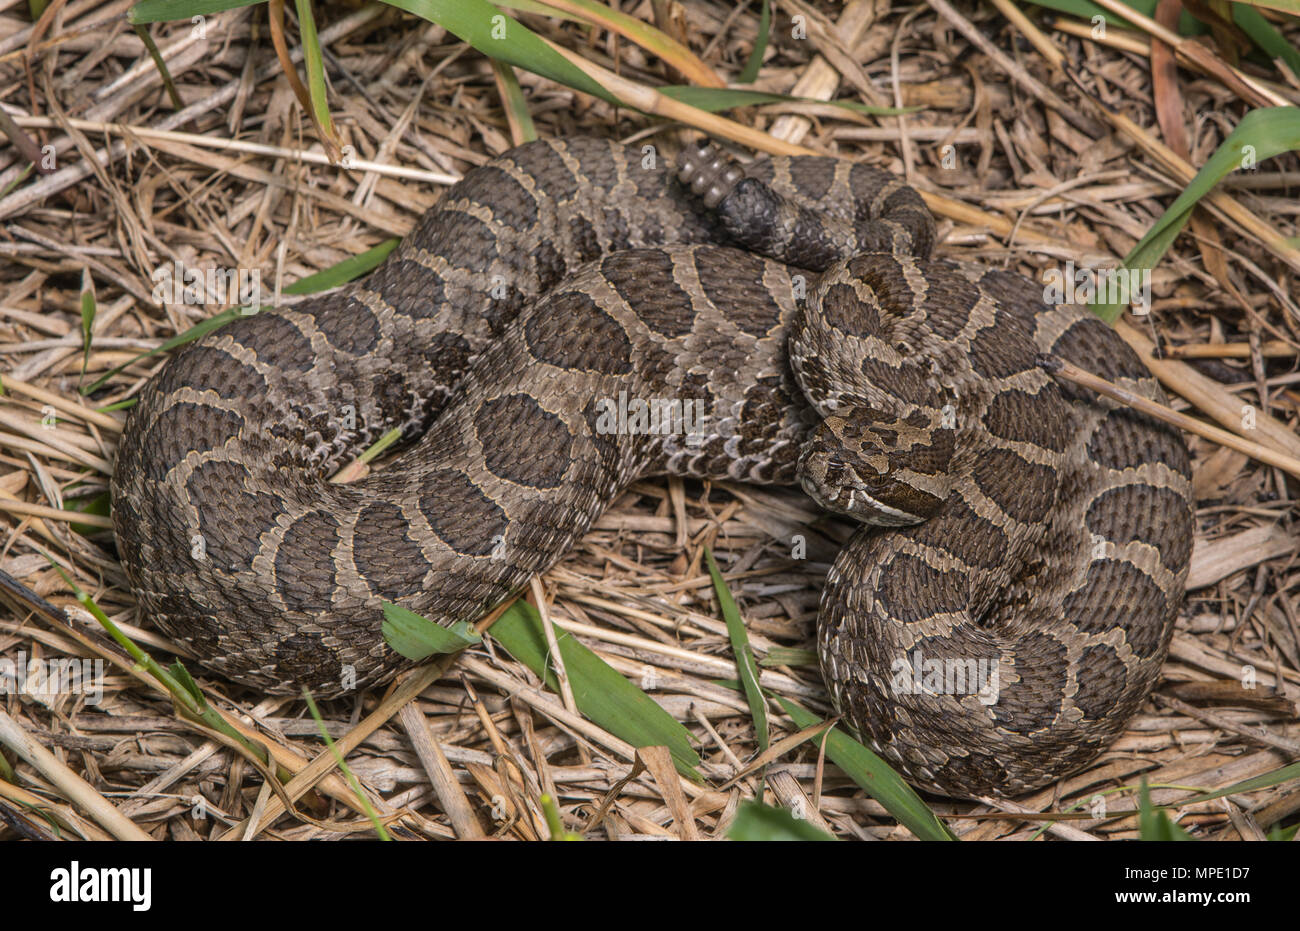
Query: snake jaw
x,y
859,489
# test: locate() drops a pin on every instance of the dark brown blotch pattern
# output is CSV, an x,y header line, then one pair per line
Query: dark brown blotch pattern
x,y
1145,513
570,331
911,590
733,282
306,571
504,197
1003,348
959,531
277,342
1114,594
213,369
464,518
386,557
1025,491
645,280
1038,419
232,519
522,442
185,428
410,288
1100,674
842,310
349,325
1030,705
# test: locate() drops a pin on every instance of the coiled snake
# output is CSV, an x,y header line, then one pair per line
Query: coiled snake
x,y
1039,537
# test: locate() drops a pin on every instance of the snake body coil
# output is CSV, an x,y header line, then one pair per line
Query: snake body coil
x,y
1039,537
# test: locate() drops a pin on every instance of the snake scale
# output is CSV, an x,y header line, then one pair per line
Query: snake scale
x,y
1031,535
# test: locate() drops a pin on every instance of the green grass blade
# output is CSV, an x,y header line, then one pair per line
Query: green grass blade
x,y
98,505
554,823
649,37
496,35
515,104
875,776
541,9
755,62
743,651
87,317
313,60
12,185
1247,18
343,766
1291,7
1262,781
164,11
1153,823
143,34
789,656
343,272
417,637
1265,35
1260,135
602,694
756,821
1086,10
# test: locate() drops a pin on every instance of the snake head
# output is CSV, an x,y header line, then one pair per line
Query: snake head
x,y
884,473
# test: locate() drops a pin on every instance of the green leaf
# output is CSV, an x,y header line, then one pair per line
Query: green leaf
x,y
554,823
876,777
1153,823
1247,18
755,62
417,637
601,693
345,271
789,656
756,821
87,316
497,35
513,100
1265,35
313,60
1086,10
1262,781
1260,135
182,675
1282,6
98,505
343,766
743,651
163,11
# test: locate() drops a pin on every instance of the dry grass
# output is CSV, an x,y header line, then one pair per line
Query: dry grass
x,y
1032,154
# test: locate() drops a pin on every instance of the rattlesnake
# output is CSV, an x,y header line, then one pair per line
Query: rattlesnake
x,y
560,280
